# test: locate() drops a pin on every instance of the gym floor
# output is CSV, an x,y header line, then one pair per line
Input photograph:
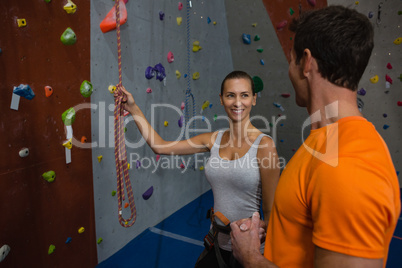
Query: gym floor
x,y
178,241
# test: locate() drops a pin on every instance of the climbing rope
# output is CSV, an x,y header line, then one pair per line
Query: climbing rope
x,y
120,153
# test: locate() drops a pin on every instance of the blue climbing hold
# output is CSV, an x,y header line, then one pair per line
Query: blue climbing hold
x,y
246,39
262,62
68,240
149,72
385,127
209,20
24,91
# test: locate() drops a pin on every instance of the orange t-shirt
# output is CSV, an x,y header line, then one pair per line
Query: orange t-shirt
x,y
339,192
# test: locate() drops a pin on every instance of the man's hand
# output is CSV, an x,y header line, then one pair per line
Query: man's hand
x,y
244,225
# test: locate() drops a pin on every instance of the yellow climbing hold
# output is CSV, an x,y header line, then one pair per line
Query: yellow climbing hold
x,y
68,144
398,41
356,3
21,22
111,88
196,46
166,123
179,20
201,168
374,79
254,24
196,75
81,230
128,165
214,22
178,74
70,7
100,158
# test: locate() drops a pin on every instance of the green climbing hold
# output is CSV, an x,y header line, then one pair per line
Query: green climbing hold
x,y
48,1
400,12
113,193
215,117
258,84
51,249
291,11
260,50
68,37
99,240
68,116
257,38
400,77
86,89
49,176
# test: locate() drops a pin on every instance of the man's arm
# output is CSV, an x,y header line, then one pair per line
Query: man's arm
x,y
330,259
246,245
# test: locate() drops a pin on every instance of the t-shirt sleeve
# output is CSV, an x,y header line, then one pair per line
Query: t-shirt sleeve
x,y
352,208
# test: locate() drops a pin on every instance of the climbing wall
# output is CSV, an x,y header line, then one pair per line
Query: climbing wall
x,y
267,57
40,217
146,41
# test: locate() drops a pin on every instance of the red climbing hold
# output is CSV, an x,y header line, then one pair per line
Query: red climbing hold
x,y
109,22
285,95
399,103
281,25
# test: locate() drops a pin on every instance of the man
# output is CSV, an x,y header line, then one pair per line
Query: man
x,y
337,202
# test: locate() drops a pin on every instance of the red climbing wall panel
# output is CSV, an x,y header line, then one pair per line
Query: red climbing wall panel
x,y
35,213
280,11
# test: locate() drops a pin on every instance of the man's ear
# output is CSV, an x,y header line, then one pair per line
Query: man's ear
x,y
307,62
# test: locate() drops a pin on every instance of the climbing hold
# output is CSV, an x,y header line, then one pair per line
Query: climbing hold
x,y
51,249
68,240
21,22
160,71
210,105
180,121
170,57
356,3
291,11
361,92
158,157
180,6
182,166
260,50
166,123
203,118
285,95
385,126
99,240
111,88
204,106
282,140
399,12
257,38
179,20
196,46
389,66
258,84
137,164
161,15
254,24
398,41
83,139
208,20
281,25
70,7
68,144
114,193
126,205
128,166
178,74
196,75
49,176
370,14
48,1
312,2
86,89
100,158
201,168
24,152
400,77
182,105
215,117
388,79
24,91
81,230
68,37
48,91
279,106
149,90
68,116
4,250
149,72
109,22
374,79
384,115
148,193
399,103
214,22
246,39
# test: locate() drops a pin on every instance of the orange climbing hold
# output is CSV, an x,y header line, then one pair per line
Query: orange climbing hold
x,y
109,22
48,91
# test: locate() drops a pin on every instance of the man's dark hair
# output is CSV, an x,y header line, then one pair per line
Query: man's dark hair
x,y
238,75
339,38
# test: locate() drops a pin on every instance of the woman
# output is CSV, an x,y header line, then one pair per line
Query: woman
x,y
236,169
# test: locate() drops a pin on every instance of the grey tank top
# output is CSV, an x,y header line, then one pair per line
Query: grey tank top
x,y
236,185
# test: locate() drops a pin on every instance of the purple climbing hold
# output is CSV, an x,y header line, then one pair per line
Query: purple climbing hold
x,y
361,92
160,71
148,193
370,14
384,115
246,39
138,164
149,72
24,91
161,15
180,122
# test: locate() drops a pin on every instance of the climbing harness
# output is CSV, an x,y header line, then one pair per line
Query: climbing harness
x,y
120,153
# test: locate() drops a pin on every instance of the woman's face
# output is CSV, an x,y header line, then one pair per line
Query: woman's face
x,y
238,98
